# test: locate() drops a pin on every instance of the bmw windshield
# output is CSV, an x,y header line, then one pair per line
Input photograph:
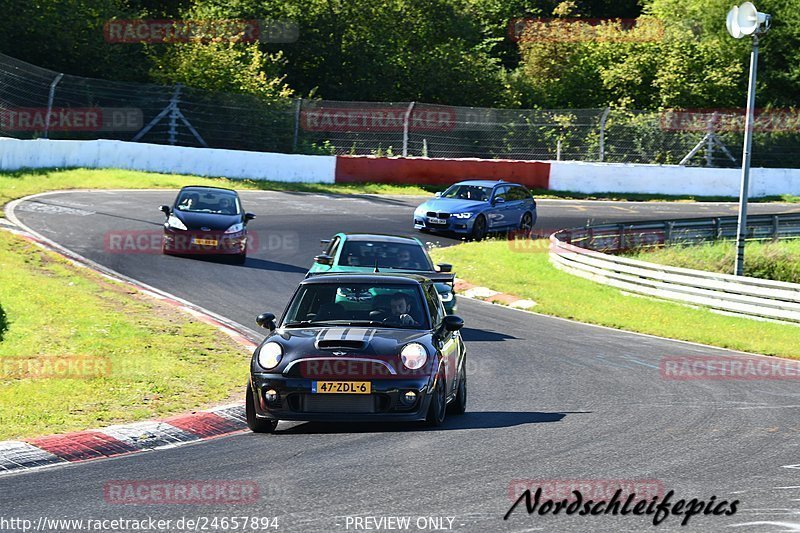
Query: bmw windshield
x,y
468,192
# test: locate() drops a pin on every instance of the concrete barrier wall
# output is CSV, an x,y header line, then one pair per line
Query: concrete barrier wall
x,y
426,171
669,179
554,175
16,154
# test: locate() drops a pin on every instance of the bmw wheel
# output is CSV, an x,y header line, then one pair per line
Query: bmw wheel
x,y
479,228
257,425
526,224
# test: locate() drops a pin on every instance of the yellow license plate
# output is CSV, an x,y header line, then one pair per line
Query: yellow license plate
x,y
341,387
205,242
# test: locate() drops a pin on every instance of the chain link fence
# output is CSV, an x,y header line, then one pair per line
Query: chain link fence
x,y
39,103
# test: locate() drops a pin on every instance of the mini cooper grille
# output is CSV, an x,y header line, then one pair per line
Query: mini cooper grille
x,y
340,345
339,403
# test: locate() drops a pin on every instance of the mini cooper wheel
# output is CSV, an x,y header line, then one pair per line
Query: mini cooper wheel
x,y
438,407
257,425
459,405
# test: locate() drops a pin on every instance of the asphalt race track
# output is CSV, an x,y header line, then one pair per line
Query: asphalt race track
x,y
549,399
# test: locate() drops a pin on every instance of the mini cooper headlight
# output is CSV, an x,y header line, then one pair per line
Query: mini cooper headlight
x,y
413,355
175,223
270,355
236,228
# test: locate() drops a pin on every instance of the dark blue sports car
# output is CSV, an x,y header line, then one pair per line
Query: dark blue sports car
x,y
477,207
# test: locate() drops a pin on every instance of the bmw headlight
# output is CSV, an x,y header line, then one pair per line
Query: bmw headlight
x,y
270,355
462,215
413,355
419,211
236,228
175,223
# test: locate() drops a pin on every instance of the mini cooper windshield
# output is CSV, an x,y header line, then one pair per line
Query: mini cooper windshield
x,y
401,256
357,304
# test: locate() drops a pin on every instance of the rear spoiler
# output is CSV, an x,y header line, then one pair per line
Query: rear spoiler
x,y
440,277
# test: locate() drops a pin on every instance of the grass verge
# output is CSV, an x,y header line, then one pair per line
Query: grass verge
x,y
779,260
20,183
498,265
81,351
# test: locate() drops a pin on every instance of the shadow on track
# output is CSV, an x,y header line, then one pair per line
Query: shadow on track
x,y
469,420
478,335
252,262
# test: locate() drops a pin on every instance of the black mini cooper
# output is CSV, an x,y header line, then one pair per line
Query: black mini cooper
x,y
359,347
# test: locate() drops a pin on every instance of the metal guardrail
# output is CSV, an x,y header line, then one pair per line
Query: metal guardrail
x,y
588,252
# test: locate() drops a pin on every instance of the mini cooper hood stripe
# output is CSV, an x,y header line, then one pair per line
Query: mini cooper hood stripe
x,y
346,334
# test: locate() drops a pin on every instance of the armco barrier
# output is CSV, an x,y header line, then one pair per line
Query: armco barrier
x,y
16,154
741,295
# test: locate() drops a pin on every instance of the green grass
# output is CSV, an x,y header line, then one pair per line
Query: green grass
x,y
778,260
158,360
498,265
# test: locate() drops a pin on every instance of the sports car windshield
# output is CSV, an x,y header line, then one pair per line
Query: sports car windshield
x,y
208,201
386,255
468,192
357,304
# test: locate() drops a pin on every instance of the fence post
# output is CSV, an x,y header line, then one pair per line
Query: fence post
x,y
710,141
406,120
173,114
50,98
603,119
775,221
297,107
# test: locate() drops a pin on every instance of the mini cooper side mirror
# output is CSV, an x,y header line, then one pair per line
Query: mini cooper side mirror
x,y
266,320
249,216
164,209
445,267
453,323
324,259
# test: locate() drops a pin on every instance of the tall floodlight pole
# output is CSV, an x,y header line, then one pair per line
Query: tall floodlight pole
x,y
741,21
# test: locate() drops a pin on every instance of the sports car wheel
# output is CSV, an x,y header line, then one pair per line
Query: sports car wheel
x,y
438,408
459,405
526,224
257,425
479,229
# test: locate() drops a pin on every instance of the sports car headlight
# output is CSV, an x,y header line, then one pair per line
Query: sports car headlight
x,y
462,215
175,223
270,355
236,228
446,296
413,355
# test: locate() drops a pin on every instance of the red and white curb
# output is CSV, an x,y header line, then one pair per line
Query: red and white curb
x,y
123,439
136,437
486,294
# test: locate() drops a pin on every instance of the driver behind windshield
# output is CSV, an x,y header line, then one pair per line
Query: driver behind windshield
x,y
400,310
